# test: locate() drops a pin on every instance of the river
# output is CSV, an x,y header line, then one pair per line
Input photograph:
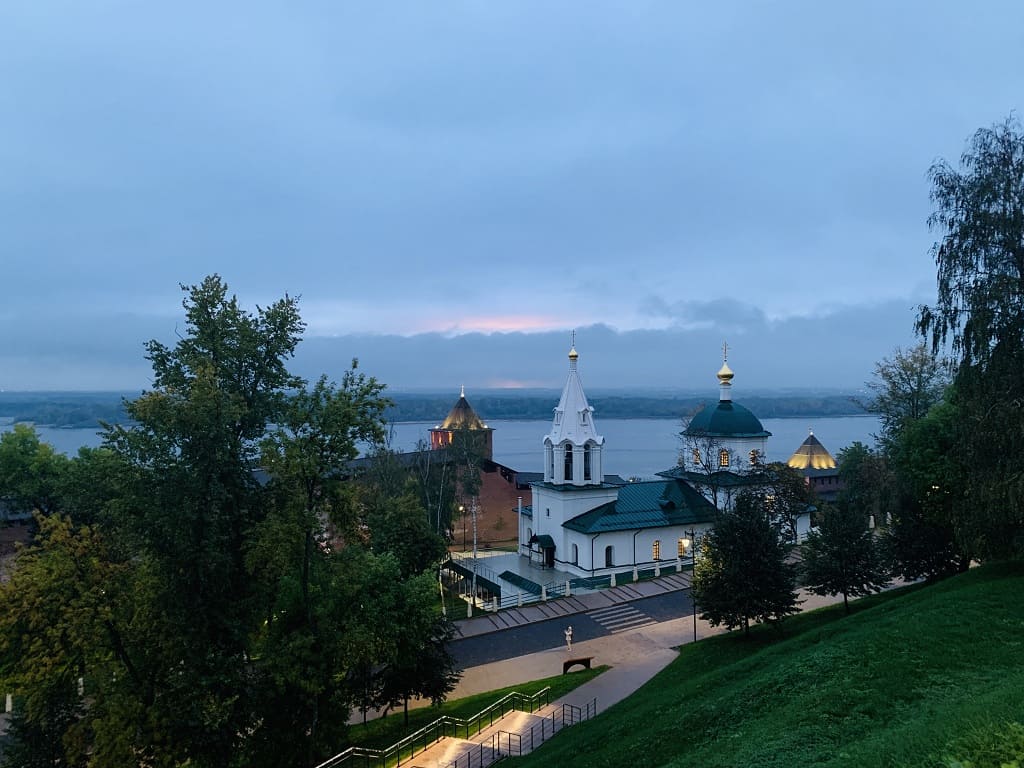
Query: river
x,y
633,447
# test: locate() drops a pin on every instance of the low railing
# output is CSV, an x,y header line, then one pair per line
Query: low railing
x,y
420,740
509,744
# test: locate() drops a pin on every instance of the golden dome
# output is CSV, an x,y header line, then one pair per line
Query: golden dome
x,y
573,354
725,373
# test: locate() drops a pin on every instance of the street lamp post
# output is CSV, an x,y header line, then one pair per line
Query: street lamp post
x,y
693,567
473,509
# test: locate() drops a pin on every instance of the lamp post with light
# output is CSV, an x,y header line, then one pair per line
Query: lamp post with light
x,y
691,546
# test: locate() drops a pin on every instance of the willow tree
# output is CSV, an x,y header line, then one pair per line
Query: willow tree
x,y
979,313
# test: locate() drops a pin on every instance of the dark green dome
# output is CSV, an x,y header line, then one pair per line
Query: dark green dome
x,y
725,419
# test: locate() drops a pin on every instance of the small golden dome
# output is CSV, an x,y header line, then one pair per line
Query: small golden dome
x,y
573,354
725,373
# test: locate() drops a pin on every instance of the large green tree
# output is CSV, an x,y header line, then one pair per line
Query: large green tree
x,y
741,574
842,556
979,312
214,583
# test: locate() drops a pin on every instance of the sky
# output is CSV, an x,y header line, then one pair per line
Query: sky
x,y
451,188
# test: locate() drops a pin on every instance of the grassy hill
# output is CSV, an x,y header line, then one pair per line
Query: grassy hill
x,y
928,676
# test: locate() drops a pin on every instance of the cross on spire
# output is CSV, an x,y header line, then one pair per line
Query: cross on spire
x,y
725,351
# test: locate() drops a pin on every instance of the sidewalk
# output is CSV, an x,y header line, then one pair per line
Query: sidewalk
x,y
484,622
635,657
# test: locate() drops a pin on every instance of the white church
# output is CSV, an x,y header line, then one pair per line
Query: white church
x,y
582,522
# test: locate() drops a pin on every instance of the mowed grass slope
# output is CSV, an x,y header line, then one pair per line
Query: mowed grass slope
x,y
919,677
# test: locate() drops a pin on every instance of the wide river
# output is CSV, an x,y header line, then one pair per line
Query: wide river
x,y
633,447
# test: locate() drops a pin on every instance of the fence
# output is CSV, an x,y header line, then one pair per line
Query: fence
x,y
414,743
507,744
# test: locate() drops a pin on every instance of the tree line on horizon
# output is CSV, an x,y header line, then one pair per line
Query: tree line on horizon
x,y
91,410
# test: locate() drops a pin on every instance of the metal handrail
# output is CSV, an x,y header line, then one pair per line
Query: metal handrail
x,y
437,730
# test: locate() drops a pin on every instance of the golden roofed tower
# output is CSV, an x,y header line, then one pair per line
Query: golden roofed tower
x,y
463,417
812,455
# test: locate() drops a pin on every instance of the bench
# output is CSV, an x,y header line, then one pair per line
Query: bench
x,y
583,661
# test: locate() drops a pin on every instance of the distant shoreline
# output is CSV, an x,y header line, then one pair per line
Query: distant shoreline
x,y
86,410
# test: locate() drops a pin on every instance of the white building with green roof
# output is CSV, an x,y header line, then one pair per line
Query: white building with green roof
x,y
582,522
591,524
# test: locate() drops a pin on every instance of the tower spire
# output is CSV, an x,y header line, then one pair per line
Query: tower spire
x,y
725,375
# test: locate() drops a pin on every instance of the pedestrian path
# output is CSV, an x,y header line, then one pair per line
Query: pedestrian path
x,y
620,618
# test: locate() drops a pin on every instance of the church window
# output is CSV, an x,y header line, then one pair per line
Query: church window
x,y
575,555
696,457
723,458
683,545
551,467
656,550
547,511
586,462
568,461
753,458
609,556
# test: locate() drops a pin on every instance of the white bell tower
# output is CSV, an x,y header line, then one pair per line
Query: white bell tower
x,y
572,450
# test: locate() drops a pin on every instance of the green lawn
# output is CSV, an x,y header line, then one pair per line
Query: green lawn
x,y
383,732
925,676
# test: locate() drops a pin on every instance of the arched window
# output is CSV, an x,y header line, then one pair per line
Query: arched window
x,y
656,550
529,533
568,461
723,458
575,555
609,556
586,461
753,458
696,457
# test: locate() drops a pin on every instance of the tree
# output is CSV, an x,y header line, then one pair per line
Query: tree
x,y
979,312
842,556
214,584
707,463
30,472
302,645
934,526
868,482
787,495
741,573
905,387
421,665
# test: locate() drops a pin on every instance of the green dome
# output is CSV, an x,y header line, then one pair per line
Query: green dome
x,y
725,419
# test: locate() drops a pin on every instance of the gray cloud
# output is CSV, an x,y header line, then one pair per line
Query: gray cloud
x,y
742,167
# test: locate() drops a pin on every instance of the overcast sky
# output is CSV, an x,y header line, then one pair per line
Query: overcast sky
x,y
450,187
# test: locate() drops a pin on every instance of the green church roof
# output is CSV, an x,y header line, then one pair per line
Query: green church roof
x,y
725,419
648,504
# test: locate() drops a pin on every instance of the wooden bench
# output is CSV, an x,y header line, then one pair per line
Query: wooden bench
x,y
583,661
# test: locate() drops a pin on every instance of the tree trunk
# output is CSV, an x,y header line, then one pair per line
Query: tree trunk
x,y
407,710
846,604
